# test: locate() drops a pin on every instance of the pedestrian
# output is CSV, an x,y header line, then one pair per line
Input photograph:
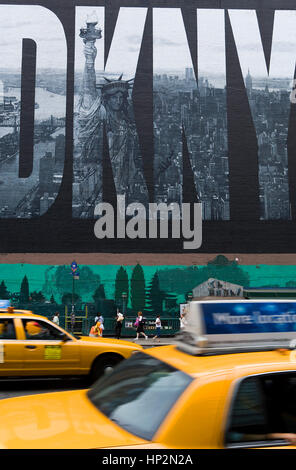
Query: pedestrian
x,y
56,318
93,331
139,323
96,318
183,321
96,330
158,328
118,326
101,320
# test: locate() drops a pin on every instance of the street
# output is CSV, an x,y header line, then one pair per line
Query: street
x,y
19,387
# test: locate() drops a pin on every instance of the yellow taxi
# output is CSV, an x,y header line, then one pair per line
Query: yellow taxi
x,y
32,345
217,387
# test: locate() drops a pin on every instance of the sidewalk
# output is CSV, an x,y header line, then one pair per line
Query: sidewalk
x,y
164,341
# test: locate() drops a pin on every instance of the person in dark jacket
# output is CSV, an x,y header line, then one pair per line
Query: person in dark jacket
x,y
139,323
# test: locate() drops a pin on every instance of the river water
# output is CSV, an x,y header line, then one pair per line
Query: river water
x,y
13,188
50,104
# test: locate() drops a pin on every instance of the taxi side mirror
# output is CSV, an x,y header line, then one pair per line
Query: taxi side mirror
x,y
62,336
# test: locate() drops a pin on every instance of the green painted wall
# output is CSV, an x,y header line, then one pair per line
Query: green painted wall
x,y
57,280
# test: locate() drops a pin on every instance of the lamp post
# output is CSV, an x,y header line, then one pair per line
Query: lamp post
x,y
75,275
124,297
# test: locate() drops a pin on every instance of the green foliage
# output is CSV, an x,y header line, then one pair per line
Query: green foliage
x,y
67,298
99,293
24,292
121,285
4,294
155,295
291,284
221,260
184,279
60,279
37,297
138,289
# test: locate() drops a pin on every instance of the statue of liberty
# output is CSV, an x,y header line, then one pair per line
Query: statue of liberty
x,y
109,106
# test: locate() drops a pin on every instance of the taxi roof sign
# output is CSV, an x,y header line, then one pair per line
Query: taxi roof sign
x,y
4,303
228,325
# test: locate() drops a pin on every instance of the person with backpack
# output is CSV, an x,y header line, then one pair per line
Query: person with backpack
x,y
56,318
157,328
139,324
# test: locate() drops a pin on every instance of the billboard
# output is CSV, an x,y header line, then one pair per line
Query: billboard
x,y
129,128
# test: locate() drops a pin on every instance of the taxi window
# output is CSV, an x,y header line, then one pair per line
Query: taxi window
x,y
249,413
263,405
139,393
7,330
36,329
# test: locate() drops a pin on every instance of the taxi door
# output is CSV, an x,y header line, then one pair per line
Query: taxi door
x,y
11,347
44,354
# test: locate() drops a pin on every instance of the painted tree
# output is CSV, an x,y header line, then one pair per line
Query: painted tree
x,y
37,297
184,279
99,293
121,285
138,288
4,294
155,296
24,292
226,270
67,298
60,281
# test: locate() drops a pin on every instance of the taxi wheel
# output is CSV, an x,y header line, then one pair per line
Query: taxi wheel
x,y
104,364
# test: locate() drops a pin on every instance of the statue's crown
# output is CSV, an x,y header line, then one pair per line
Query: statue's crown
x,y
113,86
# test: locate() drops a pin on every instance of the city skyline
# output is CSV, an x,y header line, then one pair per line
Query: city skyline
x,y
272,163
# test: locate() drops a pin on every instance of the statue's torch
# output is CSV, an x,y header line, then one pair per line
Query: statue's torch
x,y
91,33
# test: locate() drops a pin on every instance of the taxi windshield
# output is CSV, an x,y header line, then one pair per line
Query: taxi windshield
x,y
139,393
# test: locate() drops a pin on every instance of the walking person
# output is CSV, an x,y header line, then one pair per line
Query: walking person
x,y
101,320
157,328
96,330
118,326
56,318
183,321
93,331
139,323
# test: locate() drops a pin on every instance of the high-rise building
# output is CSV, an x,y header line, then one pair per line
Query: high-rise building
x,y
249,82
46,172
45,202
59,152
189,74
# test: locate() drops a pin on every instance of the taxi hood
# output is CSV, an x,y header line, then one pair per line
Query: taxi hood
x,y
61,420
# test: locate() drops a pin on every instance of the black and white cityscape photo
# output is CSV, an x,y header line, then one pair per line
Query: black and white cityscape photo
x,y
32,195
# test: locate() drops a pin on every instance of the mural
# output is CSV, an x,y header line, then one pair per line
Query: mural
x,y
105,109
120,125
31,158
153,289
